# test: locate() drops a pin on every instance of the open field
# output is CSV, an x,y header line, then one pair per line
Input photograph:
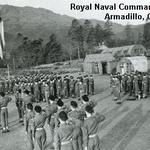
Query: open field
x,y
127,126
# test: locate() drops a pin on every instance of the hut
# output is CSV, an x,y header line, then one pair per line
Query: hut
x,y
106,62
99,63
132,64
126,51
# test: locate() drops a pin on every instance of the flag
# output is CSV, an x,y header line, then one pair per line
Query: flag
x,y
2,39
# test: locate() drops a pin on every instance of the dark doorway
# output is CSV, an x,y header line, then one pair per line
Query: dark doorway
x,y
104,67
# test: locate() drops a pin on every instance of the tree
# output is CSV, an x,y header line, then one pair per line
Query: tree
x,y
91,40
26,52
140,38
99,34
53,50
108,30
76,35
146,35
129,37
86,29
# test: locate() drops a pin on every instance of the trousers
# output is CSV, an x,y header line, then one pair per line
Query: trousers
x,y
94,143
40,140
30,138
4,117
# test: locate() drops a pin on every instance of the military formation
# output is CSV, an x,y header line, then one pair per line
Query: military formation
x,y
135,85
72,126
41,86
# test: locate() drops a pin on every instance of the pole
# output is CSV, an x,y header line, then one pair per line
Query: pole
x,y
8,72
70,52
78,54
14,63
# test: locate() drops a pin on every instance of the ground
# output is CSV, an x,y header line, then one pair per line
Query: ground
x,y
127,126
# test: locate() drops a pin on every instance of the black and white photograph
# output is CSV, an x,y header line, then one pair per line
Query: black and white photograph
x,y
74,75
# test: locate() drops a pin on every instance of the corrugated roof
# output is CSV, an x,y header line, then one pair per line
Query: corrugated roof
x,y
119,49
139,63
99,57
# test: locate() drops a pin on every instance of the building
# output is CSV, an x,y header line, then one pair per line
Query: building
x,y
132,64
126,51
107,61
99,63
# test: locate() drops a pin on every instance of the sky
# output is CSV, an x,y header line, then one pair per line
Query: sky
x,y
63,7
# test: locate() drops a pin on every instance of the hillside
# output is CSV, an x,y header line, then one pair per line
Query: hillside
x,y
40,23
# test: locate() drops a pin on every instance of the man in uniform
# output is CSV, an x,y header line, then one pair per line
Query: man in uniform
x,y
29,116
65,88
46,91
124,82
32,88
90,129
51,109
38,127
55,86
27,98
86,85
135,86
51,86
4,100
77,117
78,88
64,134
140,78
116,89
36,91
72,86
59,87
145,85
119,76
19,104
68,83
43,91
91,85
40,90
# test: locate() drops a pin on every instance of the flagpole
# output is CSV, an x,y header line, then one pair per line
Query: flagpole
x,y
2,39
8,72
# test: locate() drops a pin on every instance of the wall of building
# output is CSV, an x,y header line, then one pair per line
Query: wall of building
x,y
97,67
148,61
100,68
87,67
125,66
112,66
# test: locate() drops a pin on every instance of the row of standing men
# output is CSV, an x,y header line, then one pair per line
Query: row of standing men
x,y
43,86
136,85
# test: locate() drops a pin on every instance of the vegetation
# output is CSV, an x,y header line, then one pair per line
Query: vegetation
x,y
82,38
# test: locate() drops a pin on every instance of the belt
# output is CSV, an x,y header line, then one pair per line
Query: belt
x,y
3,107
93,135
66,142
52,117
38,129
